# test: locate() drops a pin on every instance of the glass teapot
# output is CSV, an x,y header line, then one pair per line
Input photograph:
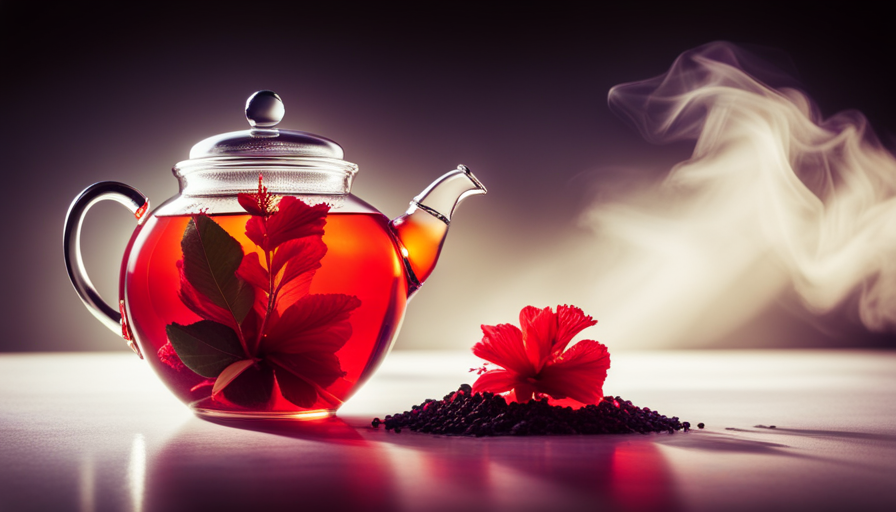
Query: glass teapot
x,y
264,288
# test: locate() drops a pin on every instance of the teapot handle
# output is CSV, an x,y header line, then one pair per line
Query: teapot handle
x,y
137,203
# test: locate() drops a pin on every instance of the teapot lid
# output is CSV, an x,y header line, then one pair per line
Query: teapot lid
x,y
264,110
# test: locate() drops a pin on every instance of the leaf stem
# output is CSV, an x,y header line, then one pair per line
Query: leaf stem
x,y
272,293
239,333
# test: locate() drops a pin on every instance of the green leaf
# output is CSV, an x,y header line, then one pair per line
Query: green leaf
x,y
211,259
205,347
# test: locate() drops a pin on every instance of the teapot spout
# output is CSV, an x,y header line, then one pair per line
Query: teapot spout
x,y
422,229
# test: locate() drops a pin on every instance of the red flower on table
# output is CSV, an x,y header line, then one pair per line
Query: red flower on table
x,y
534,360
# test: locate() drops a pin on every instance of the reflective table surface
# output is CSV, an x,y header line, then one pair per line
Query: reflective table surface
x,y
100,432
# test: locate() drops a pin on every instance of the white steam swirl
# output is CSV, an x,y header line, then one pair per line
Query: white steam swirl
x,y
773,197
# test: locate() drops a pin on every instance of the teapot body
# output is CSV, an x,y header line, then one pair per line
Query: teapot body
x,y
264,288
361,261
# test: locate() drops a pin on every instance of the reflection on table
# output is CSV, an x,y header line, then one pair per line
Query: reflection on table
x,y
97,432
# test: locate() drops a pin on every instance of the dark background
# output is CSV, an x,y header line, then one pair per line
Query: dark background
x,y
516,91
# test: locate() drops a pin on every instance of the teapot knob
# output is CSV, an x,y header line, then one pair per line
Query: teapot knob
x,y
264,109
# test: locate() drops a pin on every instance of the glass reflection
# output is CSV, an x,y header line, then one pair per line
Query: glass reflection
x,y
339,464
253,465
87,484
137,472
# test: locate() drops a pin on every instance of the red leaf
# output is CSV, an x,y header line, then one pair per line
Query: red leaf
x,y
298,256
252,322
257,232
298,260
503,345
298,389
250,270
321,368
253,273
292,291
317,322
202,305
253,387
579,373
294,388
295,219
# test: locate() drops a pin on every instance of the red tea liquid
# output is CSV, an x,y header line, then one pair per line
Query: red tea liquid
x,y
361,260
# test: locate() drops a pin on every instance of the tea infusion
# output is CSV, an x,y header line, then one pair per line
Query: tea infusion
x,y
248,312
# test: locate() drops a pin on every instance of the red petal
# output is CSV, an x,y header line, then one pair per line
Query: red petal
x,y
495,381
570,321
503,345
578,374
314,323
249,202
539,328
295,219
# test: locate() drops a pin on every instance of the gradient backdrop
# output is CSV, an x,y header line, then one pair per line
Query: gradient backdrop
x,y
517,92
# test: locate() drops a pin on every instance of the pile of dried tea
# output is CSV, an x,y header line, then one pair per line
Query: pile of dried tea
x,y
463,413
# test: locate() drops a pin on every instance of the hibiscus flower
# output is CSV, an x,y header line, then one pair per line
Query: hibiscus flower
x,y
535,362
260,323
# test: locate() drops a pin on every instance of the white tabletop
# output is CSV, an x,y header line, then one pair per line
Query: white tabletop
x,y
100,432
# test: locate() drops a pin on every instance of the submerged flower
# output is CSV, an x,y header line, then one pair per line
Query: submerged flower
x,y
260,322
535,361
168,356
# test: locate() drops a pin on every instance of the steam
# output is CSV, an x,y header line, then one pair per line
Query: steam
x,y
774,199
